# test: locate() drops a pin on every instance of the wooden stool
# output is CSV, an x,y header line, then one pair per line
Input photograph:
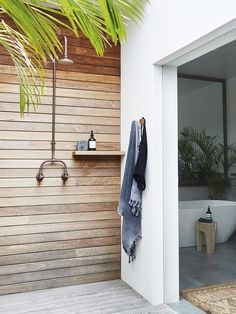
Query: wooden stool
x,y
209,229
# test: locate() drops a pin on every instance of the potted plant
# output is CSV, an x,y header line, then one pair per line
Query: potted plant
x,y
202,159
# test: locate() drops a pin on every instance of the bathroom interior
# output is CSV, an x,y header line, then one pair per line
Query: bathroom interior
x,y
207,165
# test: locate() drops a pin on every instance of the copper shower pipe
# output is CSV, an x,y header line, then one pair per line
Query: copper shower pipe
x,y
53,160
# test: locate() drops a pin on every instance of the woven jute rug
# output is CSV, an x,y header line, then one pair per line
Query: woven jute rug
x,y
217,299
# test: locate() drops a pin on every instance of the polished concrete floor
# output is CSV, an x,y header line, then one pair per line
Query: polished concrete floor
x,y
198,269
184,307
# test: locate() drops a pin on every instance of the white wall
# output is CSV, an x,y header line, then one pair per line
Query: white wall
x,y
139,101
200,106
179,23
168,26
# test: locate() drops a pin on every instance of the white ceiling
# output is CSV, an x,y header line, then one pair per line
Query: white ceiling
x,y
219,63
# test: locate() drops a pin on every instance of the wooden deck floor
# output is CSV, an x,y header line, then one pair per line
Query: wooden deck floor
x,y
96,298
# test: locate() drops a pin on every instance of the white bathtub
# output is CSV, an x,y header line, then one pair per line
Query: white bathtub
x,y
223,212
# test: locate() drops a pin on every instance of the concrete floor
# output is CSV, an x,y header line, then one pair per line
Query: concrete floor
x,y
198,269
184,307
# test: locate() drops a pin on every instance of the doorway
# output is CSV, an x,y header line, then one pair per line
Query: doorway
x,y
170,152
207,158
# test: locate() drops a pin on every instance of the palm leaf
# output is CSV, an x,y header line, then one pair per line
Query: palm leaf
x,y
202,156
31,77
39,30
97,19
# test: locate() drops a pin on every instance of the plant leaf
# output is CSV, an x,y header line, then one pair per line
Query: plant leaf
x,y
31,77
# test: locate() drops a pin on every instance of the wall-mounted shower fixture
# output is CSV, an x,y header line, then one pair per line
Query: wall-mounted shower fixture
x,y
52,160
65,60
64,176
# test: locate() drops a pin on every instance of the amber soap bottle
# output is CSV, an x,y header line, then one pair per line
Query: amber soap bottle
x,y
92,142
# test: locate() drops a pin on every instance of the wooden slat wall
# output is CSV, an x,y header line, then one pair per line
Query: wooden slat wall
x,y
54,234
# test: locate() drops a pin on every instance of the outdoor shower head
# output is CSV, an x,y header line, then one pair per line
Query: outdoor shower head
x,y
65,60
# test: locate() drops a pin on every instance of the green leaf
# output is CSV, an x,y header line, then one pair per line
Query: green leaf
x,y
29,69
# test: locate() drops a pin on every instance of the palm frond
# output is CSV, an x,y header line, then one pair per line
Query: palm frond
x,y
202,158
39,30
99,20
31,77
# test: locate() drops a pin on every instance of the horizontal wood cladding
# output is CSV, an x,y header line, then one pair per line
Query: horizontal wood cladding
x,y
64,110
80,67
47,190
40,219
59,227
57,245
107,179
57,209
68,262
70,82
69,119
93,103
65,128
14,260
61,137
66,92
54,234
59,282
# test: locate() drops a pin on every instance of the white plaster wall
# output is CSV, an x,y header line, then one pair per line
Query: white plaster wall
x,y
167,27
179,23
138,100
200,106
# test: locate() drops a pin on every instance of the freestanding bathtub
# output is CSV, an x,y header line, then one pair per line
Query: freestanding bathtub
x,y
223,212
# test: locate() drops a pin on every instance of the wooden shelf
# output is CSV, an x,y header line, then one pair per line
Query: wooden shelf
x,y
94,153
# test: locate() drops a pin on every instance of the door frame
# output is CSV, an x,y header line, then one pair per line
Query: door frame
x,y
169,65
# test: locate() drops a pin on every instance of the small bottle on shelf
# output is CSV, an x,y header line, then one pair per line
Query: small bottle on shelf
x,y
92,142
208,213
